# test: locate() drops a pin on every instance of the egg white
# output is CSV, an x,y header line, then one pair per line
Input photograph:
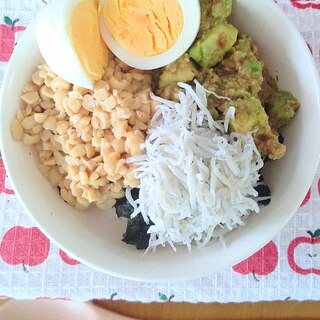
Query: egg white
x,y
56,45
192,17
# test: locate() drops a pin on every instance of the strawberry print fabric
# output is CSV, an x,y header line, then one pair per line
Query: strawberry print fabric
x,y
31,266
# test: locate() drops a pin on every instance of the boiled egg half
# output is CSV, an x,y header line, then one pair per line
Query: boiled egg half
x,y
75,36
149,34
70,42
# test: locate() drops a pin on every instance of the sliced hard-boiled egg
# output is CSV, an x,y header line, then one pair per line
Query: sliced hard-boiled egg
x,y
70,42
149,34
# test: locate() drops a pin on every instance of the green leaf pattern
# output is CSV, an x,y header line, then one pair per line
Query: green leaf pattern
x,y
163,297
316,234
8,21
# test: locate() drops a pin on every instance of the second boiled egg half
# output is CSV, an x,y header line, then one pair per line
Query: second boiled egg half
x,y
149,34
75,36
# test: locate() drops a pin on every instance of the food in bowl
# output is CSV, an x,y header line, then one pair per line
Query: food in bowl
x,y
149,34
83,137
74,51
191,137
144,34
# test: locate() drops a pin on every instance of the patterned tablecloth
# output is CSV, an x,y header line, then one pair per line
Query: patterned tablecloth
x,y
287,268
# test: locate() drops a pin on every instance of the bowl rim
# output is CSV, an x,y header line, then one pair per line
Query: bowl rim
x,y
159,278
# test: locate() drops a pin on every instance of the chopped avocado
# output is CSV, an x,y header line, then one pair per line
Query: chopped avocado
x,y
255,66
268,88
250,115
181,70
214,113
269,145
243,45
245,49
242,94
212,13
281,109
214,44
221,9
207,21
239,75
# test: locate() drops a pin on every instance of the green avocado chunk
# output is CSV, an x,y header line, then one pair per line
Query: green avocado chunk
x,y
214,112
214,44
250,115
213,12
281,109
181,70
255,66
221,9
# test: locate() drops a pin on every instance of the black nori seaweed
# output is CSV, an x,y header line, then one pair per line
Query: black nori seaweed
x,y
136,233
263,191
281,139
123,208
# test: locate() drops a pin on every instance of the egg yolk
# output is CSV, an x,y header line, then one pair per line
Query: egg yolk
x,y
144,27
87,41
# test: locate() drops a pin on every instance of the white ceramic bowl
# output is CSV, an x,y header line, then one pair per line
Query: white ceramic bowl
x,y
94,238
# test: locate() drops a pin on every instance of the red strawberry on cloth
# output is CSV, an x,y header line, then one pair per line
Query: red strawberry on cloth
x,y
8,32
